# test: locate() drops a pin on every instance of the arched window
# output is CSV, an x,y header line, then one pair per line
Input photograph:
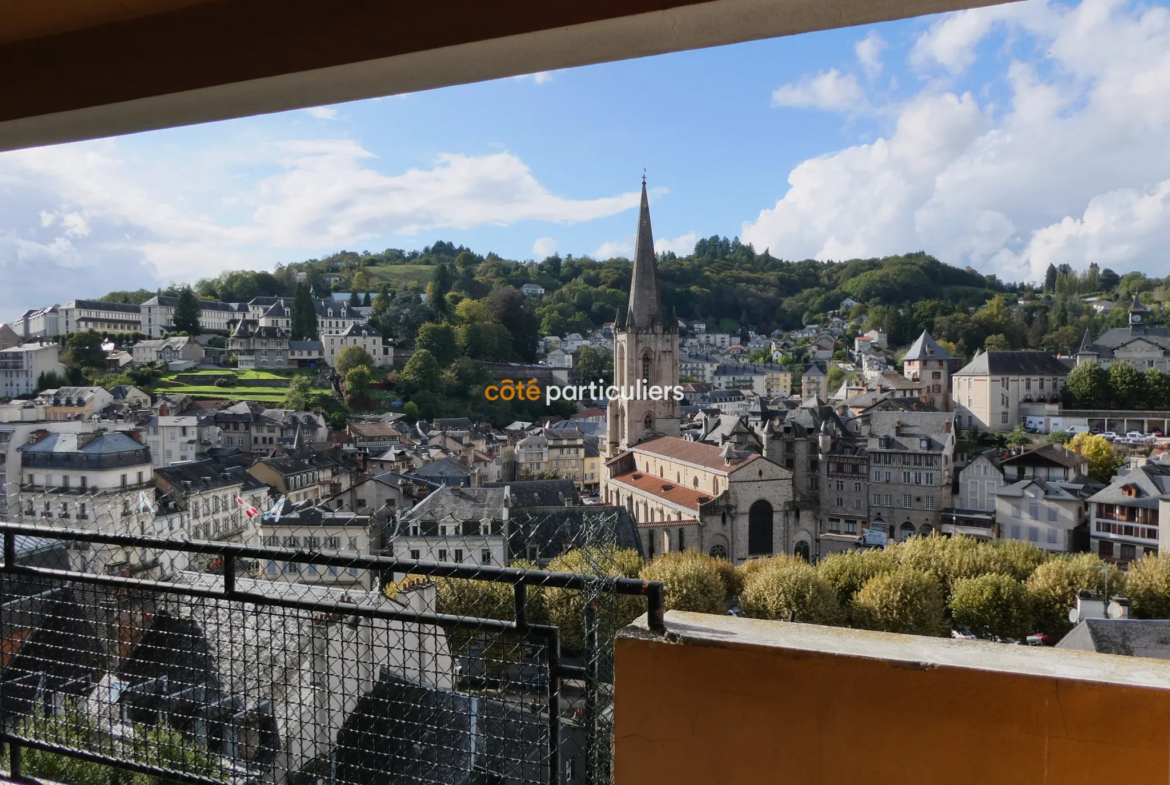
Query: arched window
x,y
718,551
678,478
760,529
646,367
696,482
906,531
648,421
801,550
715,486
682,539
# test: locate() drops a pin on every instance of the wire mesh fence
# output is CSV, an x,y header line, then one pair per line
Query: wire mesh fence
x,y
226,635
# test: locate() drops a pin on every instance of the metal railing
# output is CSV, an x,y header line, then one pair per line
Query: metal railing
x,y
205,675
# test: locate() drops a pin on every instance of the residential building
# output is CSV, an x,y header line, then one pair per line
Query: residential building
x,y
844,481
910,458
1139,344
532,289
250,428
682,494
179,438
763,379
39,323
591,473
363,335
21,367
296,480
167,350
74,403
9,337
814,383
532,458
991,390
158,315
455,525
726,401
700,367
878,338
306,354
558,358
645,353
323,531
1046,513
1053,462
973,505
97,480
927,362
374,437
566,454
333,317
81,315
1125,515
256,346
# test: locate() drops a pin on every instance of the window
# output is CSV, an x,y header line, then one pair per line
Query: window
x,y
485,556
907,501
415,556
851,527
1015,510
877,476
1128,552
1015,531
1003,418
292,567
459,555
1051,513
1034,533
1033,510
889,500
1052,533
442,554
906,477
273,569
930,478
334,543
292,541
877,499
834,525
918,478
272,541
123,480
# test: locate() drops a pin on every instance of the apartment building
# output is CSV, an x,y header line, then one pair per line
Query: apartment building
x,y
458,525
566,454
991,389
297,480
700,367
765,379
179,438
21,367
1046,513
814,382
1124,525
158,315
74,403
39,323
335,533
167,350
910,459
364,335
97,480
81,315
257,346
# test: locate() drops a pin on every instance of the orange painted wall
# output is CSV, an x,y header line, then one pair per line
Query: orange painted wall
x,y
749,714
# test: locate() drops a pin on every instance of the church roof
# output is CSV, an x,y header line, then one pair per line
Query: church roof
x,y
645,301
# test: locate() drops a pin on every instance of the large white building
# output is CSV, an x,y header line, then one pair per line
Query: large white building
x,y
99,481
158,315
81,315
21,366
993,391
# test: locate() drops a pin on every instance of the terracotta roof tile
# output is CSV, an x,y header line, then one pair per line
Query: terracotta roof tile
x,y
664,489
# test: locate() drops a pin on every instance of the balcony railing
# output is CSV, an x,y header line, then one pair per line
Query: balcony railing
x,y
214,677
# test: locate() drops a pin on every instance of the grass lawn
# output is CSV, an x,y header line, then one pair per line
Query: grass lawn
x,y
243,375
400,274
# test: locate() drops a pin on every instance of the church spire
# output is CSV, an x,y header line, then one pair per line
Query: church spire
x,y
645,302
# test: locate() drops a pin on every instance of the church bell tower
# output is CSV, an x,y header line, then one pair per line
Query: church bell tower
x,y
645,353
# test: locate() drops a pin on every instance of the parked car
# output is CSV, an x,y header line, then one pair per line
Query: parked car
x,y
1135,435
1156,434
1040,639
1109,436
963,634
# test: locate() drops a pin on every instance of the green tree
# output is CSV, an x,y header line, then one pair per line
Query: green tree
x,y
1126,386
1089,384
84,350
997,343
1156,384
437,290
352,357
1148,587
1058,437
338,421
187,311
300,392
1016,558
380,304
592,366
788,588
354,300
1054,586
848,571
949,559
506,306
691,580
1050,279
360,282
992,607
1103,459
907,601
422,372
439,340
357,383
566,608
303,322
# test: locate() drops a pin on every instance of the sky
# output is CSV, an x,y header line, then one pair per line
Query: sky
x,y
1004,138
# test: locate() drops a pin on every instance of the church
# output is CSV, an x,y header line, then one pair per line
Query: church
x,y
683,494
1142,346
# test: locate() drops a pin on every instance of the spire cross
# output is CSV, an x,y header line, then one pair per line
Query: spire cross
x,y
643,176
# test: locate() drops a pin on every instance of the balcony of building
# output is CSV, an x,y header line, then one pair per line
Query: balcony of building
x,y
721,699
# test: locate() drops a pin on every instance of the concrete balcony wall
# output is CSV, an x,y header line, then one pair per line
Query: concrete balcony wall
x,y
726,700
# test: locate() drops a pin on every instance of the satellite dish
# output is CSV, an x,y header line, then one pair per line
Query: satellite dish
x,y
1074,615
1115,611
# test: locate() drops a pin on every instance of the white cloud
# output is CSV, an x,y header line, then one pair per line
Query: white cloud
x,y
322,112
540,77
1073,168
827,90
545,246
681,245
318,195
869,53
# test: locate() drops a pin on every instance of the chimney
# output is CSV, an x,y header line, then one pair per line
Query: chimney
x,y
948,425
898,427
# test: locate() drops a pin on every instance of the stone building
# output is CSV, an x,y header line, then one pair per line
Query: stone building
x,y
910,456
1138,344
684,494
930,364
259,346
995,389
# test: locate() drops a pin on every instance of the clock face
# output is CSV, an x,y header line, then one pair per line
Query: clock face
x,y
1137,317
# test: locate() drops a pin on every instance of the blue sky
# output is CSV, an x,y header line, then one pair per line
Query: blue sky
x,y
1002,138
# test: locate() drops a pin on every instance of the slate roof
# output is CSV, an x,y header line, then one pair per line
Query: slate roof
x,y
1047,453
306,346
1126,637
1152,481
911,428
539,493
102,444
926,348
1025,363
